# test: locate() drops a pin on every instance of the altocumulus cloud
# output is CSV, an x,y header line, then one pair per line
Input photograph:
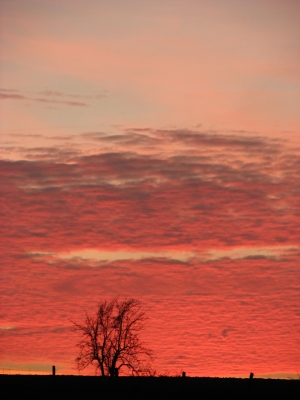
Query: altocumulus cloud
x,y
204,221
140,201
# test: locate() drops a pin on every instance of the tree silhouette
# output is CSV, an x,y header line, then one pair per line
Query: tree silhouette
x,y
110,339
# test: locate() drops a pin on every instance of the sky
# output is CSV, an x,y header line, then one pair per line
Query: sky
x,y
151,149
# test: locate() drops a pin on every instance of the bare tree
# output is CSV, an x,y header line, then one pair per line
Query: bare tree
x,y
110,339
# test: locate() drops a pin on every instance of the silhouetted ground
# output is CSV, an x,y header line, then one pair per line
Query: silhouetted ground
x,y
130,388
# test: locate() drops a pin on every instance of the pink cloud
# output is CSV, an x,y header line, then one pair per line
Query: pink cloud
x,y
130,200
208,218
204,193
218,318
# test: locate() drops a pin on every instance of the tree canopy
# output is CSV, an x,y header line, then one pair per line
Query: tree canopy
x,y
110,339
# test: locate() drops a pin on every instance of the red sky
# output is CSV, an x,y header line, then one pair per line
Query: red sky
x,y
152,152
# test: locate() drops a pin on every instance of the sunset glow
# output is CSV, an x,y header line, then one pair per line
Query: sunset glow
x,y
151,149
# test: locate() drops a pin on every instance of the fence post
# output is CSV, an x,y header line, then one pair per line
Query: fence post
x,y
53,370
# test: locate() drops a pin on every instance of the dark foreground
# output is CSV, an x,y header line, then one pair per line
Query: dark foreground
x,y
87,387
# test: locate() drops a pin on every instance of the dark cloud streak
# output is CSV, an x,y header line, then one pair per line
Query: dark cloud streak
x,y
52,97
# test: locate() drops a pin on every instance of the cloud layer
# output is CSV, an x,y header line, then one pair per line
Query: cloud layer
x,y
204,229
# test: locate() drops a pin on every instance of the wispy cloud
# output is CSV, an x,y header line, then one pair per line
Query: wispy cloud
x,y
50,97
12,96
55,93
68,103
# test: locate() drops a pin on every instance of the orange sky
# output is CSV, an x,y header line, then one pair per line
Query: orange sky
x,y
151,150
